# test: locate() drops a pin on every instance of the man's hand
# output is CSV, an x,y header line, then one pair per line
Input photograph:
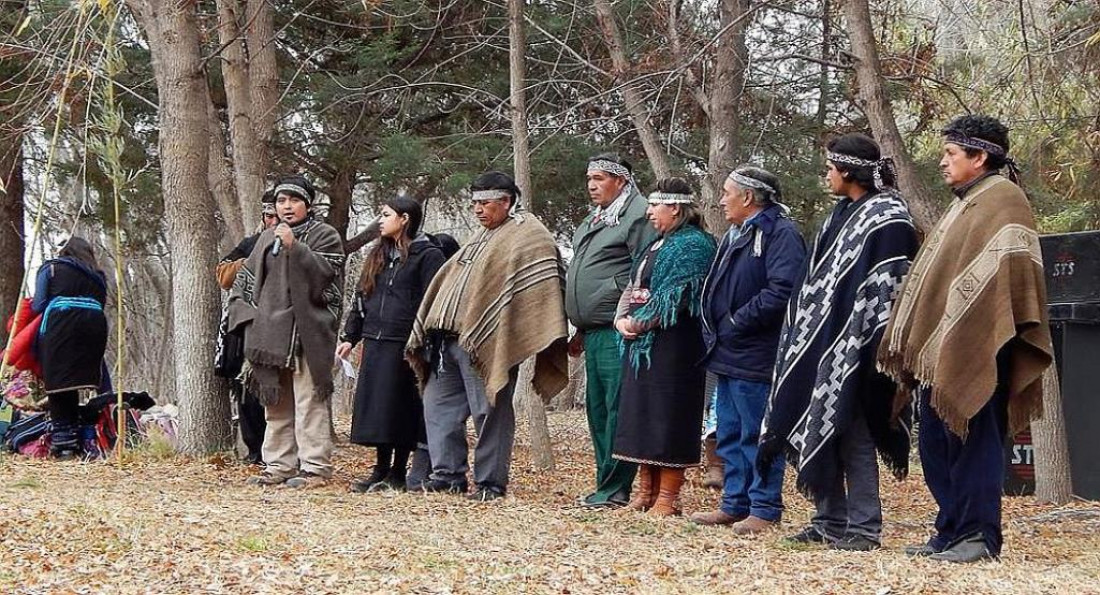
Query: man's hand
x,y
285,235
576,344
343,349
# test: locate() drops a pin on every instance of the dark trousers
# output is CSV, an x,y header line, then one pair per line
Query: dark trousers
x,y
250,418
966,478
604,370
392,461
850,506
741,405
64,410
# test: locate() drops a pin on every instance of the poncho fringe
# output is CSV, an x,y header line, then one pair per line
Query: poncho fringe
x,y
678,277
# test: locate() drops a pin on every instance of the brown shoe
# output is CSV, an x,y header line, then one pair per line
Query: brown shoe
x,y
306,480
668,493
266,478
714,518
714,475
646,493
752,524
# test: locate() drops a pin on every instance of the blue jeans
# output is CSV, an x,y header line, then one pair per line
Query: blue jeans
x,y
741,406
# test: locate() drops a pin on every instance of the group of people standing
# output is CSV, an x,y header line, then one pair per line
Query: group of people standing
x,y
443,331
818,350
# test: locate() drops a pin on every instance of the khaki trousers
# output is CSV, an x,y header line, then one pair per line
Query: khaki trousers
x,y
299,427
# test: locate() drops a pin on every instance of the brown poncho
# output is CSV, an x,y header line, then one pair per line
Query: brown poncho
x,y
290,301
502,294
977,285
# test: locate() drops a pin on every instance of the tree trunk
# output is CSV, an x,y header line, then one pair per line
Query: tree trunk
x,y
11,220
249,168
220,181
635,106
517,46
530,404
572,396
172,32
872,98
1053,483
339,191
727,85
12,131
263,76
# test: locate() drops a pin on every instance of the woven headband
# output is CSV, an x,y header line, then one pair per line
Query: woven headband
x,y
877,167
610,167
671,198
746,182
974,142
492,194
294,189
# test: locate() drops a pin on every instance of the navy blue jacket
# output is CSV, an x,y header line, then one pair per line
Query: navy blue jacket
x,y
746,295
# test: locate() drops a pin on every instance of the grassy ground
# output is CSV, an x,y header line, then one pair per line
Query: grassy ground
x,y
175,525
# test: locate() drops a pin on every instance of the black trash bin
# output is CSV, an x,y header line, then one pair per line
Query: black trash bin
x,y
1072,264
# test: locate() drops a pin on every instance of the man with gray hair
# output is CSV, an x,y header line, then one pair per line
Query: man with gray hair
x,y
745,295
605,247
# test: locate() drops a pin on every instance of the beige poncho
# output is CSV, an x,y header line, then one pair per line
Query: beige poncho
x,y
977,285
502,294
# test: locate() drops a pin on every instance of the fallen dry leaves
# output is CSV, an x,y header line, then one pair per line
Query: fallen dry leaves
x,y
191,526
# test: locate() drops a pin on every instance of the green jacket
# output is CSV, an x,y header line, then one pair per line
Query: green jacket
x,y
602,259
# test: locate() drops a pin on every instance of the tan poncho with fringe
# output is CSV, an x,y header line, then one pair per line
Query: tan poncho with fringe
x,y
976,286
503,295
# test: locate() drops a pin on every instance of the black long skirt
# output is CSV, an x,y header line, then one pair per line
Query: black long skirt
x,y
71,349
661,406
387,410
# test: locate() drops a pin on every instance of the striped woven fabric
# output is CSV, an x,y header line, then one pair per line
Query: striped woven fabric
x,y
502,294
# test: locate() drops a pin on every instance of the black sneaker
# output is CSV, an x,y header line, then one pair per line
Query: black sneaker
x,y
64,441
66,454
806,536
364,485
617,500
440,486
394,482
855,543
486,493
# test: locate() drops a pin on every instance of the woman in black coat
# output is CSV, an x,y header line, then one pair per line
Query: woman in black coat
x,y
70,293
388,413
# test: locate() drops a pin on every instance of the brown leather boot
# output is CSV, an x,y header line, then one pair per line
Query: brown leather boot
x,y
646,492
714,517
714,475
751,525
668,494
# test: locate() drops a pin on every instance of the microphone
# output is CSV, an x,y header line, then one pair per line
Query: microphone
x,y
278,245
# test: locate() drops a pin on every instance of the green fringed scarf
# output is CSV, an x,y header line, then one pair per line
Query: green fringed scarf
x,y
679,270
